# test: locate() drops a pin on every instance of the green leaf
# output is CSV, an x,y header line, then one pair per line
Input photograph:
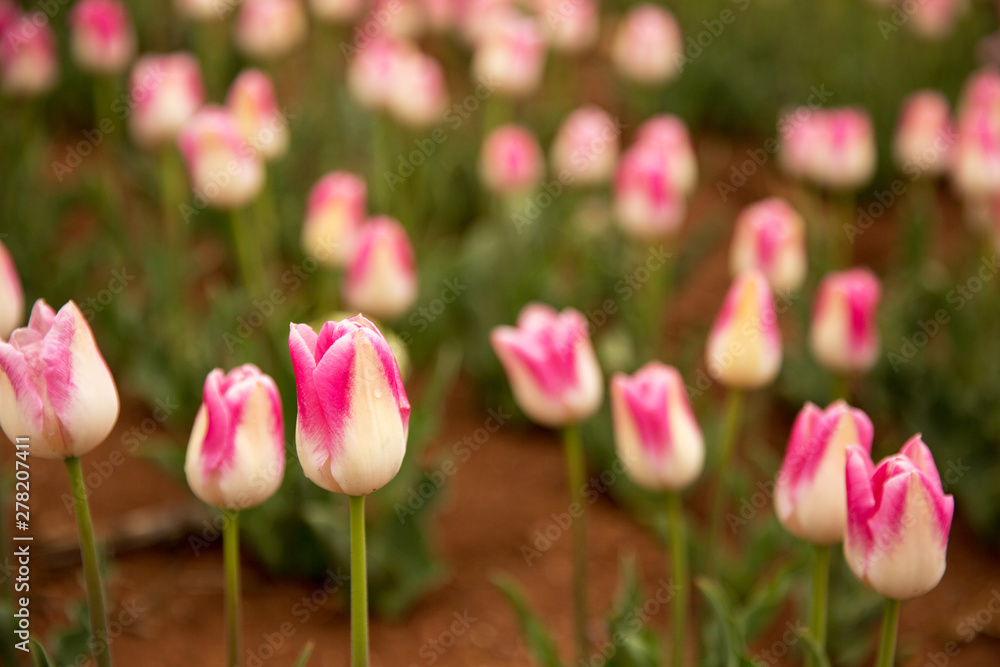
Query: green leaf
x,y
634,644
307,650
765,600
814,649
39,657
733,634
539,640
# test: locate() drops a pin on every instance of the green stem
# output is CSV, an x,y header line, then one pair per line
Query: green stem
x,y
679,556
382,164
247,252
658,293
820,586
576,468
91,569
890,627
921,224
734,408
842,387
359,585
169,197
231,549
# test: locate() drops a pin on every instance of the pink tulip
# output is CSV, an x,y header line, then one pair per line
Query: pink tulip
x,y
101,36
236,454
29,61
656,434
669,135
585,148
222,168
269,29
810,497
934,19
648,46
476,17
337,11
571,27
374,71
844,331
166,90
440,15
420,95
744,346
511,161
55,388
648,202
337,207
771,238
381,275
353,414
397,19
976,155
253,103
924,134
833,148
510,55
898,520
551,365
11,295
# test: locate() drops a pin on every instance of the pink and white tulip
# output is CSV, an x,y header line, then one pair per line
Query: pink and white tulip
x,y
975,164
420,95
585,148
656,433
511,160
833,148
29,60
253,103
374,71
649,203
898,521
166,91
571,27
744,346
510,55
222,168
381,277
934,19
55,387
236,454
810,496
648,46
924,134
844,331
11,295
770,236
337,207
551,365
101,36
669,135
270,29
353,414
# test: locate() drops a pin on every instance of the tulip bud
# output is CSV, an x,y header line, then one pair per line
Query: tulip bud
x,y
511,161
420,95
656,434
570,27
55,388
510,55
648,202
551,365
29,62
975,164
934,19
374,71
269,29
648,46
381,276
844,331
669,135
335,211
11,295
353,414
744,346
221,170
101,36
398,19
166,90
810,497
833,148
476,17
924,134
771,238
252,101
586,146
898,520
236,454
337,11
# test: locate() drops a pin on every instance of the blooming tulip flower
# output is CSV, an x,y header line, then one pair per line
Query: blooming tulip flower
x,y
252,101
551,365
353,414
335,211
268,29
898,520
656,433
744,346
11,295
381,275
510,55
55,387
511,161
585,148
669,135
337,11
101,36
924,134
810,497
221,169
833,148
844,331
236,454
167,90
770,237
648,202
420,95
571,29
398,19
933,19
373,73
975,164
648,46
29,61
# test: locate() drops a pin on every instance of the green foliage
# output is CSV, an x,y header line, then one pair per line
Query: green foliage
x,y
540,642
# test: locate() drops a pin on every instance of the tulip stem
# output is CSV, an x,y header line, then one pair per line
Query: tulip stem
x,y
247,251
359,585
890,627
842,387
820,585
679,556
734,408
231,550
91,568
576,468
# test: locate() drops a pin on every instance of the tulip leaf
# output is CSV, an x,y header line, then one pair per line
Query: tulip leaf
x,y
307,650
730,625
537,636
39,657
814,649
631,642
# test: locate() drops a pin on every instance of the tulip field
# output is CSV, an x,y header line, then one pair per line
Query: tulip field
x,y
570,333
